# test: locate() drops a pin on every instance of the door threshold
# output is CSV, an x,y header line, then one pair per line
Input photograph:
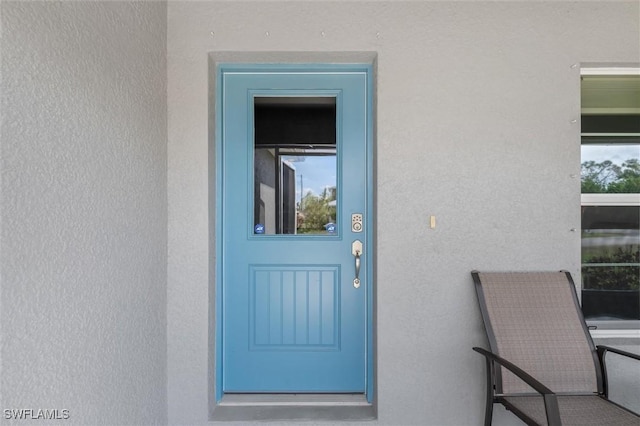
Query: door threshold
x,y
293,407
293,399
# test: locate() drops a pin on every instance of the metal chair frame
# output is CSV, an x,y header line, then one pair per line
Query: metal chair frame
x,y
549,397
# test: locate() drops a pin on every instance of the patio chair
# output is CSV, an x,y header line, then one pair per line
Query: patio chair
x,y
543,365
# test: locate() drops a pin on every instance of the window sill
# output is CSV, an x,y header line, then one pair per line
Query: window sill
x,y
615,334
627,338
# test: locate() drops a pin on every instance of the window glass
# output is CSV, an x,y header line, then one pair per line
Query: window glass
x,y
611,261
295,166
610,168
610,183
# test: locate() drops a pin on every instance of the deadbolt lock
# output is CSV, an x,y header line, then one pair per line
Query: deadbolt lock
x,y
356,222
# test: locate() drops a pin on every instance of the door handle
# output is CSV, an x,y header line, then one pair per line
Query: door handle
x,y
356,251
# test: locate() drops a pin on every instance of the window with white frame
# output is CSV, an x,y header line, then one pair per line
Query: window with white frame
x,y
610,200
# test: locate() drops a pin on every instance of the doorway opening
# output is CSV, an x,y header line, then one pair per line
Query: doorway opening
x,y
294,299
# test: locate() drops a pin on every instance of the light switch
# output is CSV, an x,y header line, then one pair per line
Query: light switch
x,y
432,222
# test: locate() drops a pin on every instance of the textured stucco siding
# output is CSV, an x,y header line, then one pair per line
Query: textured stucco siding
x,y
106,240
478,107
84,210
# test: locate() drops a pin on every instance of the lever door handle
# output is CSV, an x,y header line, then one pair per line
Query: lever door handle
x,y
356,250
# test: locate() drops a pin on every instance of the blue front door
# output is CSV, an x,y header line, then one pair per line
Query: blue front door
x,y
295,154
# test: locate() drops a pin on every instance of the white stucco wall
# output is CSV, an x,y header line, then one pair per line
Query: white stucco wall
x,y
477,123
84,210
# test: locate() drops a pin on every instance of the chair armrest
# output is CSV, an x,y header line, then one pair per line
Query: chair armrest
x,y
526,377
550,401
602,349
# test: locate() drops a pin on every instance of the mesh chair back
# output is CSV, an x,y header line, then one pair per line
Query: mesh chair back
x,y
533,320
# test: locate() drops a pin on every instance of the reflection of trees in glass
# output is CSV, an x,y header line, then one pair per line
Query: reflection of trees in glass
x,y
608,268
316,211
624,276
607,177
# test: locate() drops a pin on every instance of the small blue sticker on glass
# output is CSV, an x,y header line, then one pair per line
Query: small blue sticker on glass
x,y
331,227
259,229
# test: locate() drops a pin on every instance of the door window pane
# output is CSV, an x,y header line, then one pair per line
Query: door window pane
x,y
295,166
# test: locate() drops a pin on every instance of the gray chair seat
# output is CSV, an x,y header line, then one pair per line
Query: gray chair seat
x,y
584,410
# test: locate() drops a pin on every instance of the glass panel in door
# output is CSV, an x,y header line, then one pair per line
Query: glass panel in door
x,y
295,166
